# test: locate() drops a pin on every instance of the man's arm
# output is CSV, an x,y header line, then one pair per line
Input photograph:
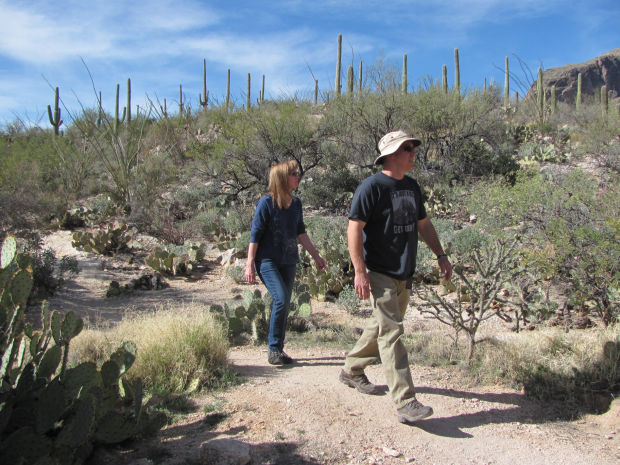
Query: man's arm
x,y
354,239
429,236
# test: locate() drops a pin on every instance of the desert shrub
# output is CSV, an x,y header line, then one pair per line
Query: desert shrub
x,y
578,371
570,226
331,188
462,136
44,403
329,237
236,273
105,241
176,259
348,299
597,136
180,347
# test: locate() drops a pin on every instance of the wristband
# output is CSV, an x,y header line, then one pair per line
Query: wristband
x,y
441,255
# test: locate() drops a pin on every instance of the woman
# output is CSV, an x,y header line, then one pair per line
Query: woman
x,y
276,228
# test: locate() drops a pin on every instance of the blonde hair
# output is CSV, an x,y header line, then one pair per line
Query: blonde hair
x,y
278,181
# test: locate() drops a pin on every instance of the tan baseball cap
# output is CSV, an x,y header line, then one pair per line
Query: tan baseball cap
x,y
391,142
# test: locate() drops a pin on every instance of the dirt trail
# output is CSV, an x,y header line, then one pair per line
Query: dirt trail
x,y
302,414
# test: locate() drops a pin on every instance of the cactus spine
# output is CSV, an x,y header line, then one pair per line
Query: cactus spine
x,y
578,97
350,79
404,80
604,100
128,100
457,72
338,65
507,86
55,118
118,120
228,90
204,98
248,102
444,79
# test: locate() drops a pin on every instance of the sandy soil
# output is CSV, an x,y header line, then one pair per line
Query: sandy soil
x,y
302,414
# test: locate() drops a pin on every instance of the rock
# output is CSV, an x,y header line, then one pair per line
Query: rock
x,y
225,451
391,452
602,70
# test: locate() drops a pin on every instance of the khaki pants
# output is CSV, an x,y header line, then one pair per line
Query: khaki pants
x,y
382,337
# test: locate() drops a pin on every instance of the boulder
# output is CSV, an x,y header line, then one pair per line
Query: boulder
x,y
225,451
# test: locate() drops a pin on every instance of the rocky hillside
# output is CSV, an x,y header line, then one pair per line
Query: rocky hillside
x,y
602,70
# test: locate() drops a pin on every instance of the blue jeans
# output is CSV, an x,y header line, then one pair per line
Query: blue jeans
x,y
278,280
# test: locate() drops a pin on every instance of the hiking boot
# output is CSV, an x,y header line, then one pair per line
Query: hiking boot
x,y
359,382
277,357
413,411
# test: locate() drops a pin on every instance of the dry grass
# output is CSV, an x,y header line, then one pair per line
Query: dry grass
x,y
179,346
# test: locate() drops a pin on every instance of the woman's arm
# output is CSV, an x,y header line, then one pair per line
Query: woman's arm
x,y
305,241
250,273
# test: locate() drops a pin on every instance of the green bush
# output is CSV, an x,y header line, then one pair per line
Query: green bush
x,y
329,237
49,411
180,347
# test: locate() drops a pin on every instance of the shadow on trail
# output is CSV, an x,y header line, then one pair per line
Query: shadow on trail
x,y
190,437
524,410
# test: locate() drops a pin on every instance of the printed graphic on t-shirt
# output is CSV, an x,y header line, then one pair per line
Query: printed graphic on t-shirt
x,y
405,211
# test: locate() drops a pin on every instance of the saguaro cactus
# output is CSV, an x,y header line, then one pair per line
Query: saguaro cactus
x,y
507,86
55,119
359,78
181,101
578,97
554,99
540,95
444,79
404,81
350,79
118,120
128,100
457,72
204,98
316,91
248,102
228,90
262,92
99,111
338,65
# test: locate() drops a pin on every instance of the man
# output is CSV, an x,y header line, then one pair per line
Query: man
x,y
387,213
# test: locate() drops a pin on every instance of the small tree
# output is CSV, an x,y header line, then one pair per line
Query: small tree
x,y
476,294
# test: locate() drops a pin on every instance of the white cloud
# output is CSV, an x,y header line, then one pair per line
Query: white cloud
x,y
47,32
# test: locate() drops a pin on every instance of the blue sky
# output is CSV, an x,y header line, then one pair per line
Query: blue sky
x,y
161,44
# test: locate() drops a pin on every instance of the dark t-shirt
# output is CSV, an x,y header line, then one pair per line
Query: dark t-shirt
x,y
391,209
275,231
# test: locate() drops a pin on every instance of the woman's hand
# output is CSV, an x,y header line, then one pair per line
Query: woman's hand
x,y
321,264
250,273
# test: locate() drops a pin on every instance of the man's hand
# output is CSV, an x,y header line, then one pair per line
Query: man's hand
x,y
362,285
445,266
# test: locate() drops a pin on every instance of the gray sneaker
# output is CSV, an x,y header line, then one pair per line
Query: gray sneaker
x,y
413,411
359,382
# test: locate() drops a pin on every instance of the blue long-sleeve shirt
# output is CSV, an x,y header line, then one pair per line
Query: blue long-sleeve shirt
x,y
275,230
